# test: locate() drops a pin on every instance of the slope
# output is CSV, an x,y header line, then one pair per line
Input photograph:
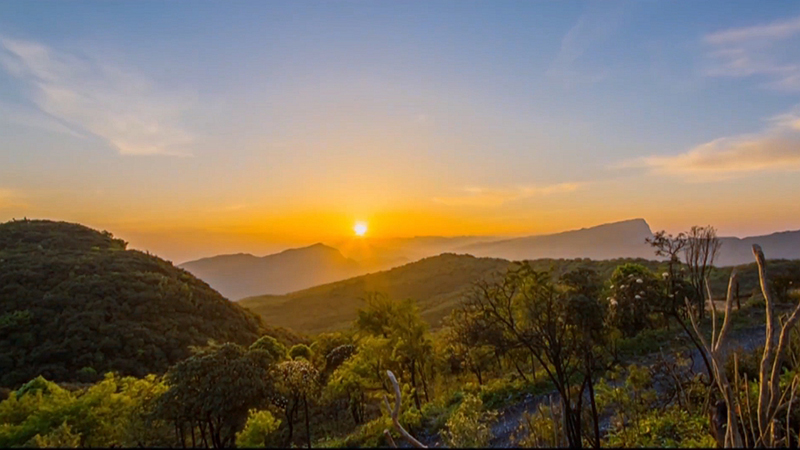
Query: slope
x,y
243,275
74,303
624,239
436,283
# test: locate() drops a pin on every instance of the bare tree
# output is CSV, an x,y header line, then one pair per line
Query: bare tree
x,y
702,246
395,412
772,399
671,247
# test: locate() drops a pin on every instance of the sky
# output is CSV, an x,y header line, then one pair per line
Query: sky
x,y
195,128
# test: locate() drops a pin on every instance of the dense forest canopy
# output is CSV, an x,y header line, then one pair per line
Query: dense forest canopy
x,y
75,303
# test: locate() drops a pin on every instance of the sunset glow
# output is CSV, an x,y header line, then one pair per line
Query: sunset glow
x,y
360,228
290,124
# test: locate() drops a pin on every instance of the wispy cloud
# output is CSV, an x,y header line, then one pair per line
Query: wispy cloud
x,y
775,149
768,51
19,115
592,28
487,197
87,94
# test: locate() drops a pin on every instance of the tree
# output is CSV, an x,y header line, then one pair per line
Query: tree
x,y
634,295
297,380
702,246
300,351
273,350
360,375
213,391
677,290
540,315
400,322
467,346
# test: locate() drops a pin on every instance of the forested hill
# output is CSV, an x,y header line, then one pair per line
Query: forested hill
x,y
74,303
438,285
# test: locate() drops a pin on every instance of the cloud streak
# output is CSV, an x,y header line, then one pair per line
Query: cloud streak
x,y
593,27
775,149
89,95
768,51
490,197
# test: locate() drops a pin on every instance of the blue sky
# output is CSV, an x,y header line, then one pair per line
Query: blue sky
x,y
260,124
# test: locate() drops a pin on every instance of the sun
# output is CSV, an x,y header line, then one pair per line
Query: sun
x,y
360,228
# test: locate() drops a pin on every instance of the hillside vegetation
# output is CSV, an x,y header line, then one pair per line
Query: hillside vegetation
x,y
438,284
75,303
531,354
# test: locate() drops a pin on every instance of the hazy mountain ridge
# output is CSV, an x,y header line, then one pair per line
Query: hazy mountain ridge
x,y
242,275
625,239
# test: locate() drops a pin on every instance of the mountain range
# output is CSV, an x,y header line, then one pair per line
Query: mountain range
x,y
244,275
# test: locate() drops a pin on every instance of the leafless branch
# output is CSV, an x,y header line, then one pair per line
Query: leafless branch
x,y
396,415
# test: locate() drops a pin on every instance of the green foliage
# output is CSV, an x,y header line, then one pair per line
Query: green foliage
x,y
437,283
217,386
501,392
301,351
273,350
470,425
540,428
258,430
672,427
61,437
634,295
113,412
65,306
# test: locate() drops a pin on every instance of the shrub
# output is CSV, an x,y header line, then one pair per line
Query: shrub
x,y
256,433
469,426
61,437
672,427
300,351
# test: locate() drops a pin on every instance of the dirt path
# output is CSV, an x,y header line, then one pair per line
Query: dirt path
x,y
510,417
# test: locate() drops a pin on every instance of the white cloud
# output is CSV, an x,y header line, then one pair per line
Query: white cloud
x,y
773,31
768,51
487,197
116,104
593,27
775,149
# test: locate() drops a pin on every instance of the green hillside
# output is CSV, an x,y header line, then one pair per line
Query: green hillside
x,y
437,284
74,303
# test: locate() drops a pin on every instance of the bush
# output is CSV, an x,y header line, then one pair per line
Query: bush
x,y
61,437
540,428
469,426
300,351
256,433
672,427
